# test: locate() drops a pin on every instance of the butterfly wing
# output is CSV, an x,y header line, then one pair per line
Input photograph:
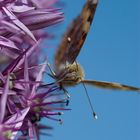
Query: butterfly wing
x,y
110,85
75,36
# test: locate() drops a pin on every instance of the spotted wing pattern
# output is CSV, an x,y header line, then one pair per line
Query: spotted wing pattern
x,y
76,35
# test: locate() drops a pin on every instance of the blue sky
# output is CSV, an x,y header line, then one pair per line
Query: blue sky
x,y
111,52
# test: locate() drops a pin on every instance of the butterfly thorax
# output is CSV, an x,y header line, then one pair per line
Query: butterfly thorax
x,y
71,74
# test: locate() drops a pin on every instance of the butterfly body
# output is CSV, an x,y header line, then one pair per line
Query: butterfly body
x,y
71,74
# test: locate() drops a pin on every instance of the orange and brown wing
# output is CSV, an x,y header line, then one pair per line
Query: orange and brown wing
x,y
110,85
76,34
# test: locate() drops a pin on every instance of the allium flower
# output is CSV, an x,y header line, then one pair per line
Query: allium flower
x,y
24,97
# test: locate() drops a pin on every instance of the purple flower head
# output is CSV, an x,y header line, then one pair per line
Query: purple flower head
x,y
21,22
25,98
23,87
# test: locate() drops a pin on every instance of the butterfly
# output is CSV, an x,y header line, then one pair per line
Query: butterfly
x,y
67,71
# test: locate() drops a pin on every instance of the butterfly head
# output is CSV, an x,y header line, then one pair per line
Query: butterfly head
x,y
72,74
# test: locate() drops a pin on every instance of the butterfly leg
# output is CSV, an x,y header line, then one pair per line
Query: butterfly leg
x,y
51,70
61,86
65,92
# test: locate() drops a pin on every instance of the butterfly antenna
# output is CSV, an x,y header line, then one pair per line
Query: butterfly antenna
x,y
91,106
65,91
